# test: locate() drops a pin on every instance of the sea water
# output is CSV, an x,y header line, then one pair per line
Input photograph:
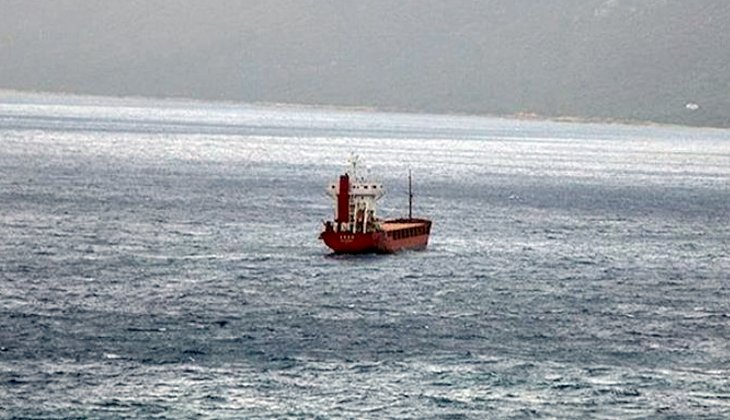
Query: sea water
x,y
160,258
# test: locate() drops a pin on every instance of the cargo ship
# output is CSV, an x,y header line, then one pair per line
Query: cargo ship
x,y
356,228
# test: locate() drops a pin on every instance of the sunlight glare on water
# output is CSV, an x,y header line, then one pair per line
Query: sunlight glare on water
x,y
160,258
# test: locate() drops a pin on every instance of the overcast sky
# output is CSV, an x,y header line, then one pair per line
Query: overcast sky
x,y
625,59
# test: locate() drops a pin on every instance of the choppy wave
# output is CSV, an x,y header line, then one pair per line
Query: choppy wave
x,y
163,261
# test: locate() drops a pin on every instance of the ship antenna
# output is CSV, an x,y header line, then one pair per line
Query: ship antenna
x,y
353,162
410,196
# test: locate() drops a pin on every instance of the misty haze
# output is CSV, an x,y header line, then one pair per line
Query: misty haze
x,y
377,209
629,60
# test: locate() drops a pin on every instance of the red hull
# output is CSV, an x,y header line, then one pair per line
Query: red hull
x,y
396,235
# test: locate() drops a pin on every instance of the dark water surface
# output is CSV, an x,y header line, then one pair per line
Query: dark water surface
x,y
161,259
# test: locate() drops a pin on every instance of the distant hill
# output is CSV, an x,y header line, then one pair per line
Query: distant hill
x,y
665,61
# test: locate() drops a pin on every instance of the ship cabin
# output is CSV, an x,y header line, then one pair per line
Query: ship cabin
x,y
355,202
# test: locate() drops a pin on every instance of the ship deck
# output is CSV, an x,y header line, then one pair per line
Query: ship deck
x,y
391,225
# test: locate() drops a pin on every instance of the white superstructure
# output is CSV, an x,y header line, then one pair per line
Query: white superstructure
x,y
363,196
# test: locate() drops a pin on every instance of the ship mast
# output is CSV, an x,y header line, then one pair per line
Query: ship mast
x,y
353,163
410,196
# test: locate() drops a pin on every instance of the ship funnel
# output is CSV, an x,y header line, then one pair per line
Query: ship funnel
x,y
343,200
